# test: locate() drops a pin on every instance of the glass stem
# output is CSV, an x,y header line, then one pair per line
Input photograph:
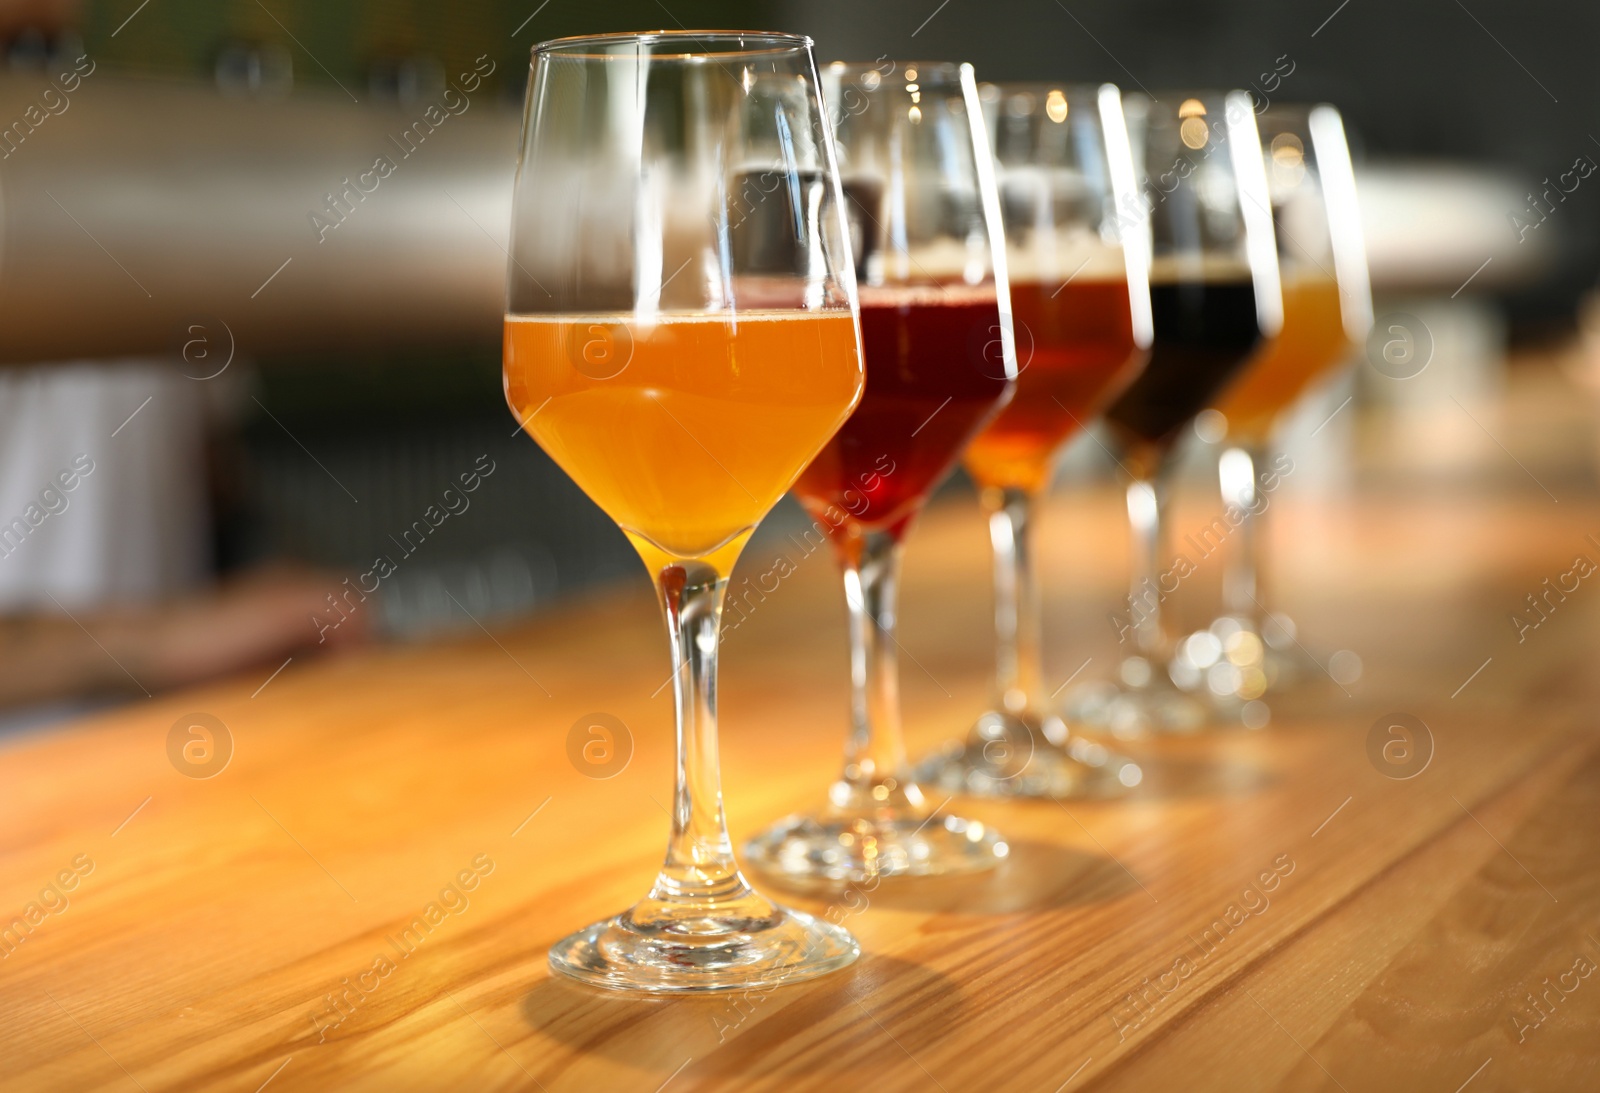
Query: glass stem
x,y
1016,599
875,777
1147,502
699,867
1236,471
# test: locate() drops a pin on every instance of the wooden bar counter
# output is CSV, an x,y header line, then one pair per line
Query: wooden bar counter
x,y
363,898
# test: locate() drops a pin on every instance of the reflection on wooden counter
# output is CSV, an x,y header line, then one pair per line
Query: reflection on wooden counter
x,y
363,898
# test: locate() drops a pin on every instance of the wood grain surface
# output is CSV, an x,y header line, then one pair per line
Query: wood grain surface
x,y
403,827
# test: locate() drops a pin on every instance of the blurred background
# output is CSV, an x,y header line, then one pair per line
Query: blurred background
x,y
252,269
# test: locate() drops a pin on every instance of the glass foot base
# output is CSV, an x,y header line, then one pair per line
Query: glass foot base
x,y
1139,711
1146,701
1236,664
1011,755
804,848
1232,660
713,953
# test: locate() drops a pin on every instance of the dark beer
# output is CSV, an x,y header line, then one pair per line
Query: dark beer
x,y
1205,333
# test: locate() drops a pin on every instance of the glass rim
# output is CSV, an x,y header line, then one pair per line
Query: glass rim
x,y
1299,109
951,69
1177,96
1086,89
590,46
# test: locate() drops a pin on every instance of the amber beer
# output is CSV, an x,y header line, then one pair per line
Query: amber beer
x,y
1075,352
687,428
1312,341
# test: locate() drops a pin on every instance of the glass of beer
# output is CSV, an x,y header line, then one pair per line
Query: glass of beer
x,y
683,360
1215,300
1081,311
1327,311
936,330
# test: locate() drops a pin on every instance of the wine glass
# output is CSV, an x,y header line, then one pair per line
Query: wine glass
x,y
1081,308
1327,311
1215,298
936,330
683,362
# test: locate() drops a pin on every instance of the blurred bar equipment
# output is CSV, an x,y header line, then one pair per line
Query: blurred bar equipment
x,y
146,208
149,206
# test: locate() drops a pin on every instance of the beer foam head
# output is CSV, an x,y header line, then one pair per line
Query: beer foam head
x,y
1166,269
926,294
943,260
1056,256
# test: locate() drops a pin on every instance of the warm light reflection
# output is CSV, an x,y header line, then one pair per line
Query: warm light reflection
x,y
1193,129
1288,161
1055,106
